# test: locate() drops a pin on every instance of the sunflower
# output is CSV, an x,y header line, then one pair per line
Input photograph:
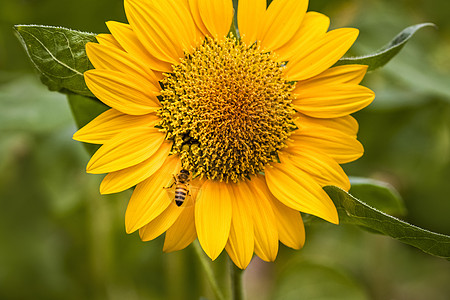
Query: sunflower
x,y
256,114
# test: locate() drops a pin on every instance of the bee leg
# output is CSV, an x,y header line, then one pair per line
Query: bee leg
x,y
174,181
168,187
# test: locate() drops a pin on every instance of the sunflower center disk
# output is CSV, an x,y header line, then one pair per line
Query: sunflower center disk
x,y
228,110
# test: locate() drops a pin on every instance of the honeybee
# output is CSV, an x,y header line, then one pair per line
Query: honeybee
x,y
182,190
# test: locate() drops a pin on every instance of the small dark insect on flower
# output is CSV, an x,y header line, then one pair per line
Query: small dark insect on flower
x,y
181,182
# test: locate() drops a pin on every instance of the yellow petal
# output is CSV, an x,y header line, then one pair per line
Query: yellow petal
x,y
291,230
147,22
264,222
166,29
128,39
194,9
249,15
125,150
182,25
216,16
110,123
108,40
345,124
106,57
281,20
332,101
298,190
213,212
321,55
121,180
182,232
340,146
161,223
313,27
348,74
121,91
317,164
150,197
241,240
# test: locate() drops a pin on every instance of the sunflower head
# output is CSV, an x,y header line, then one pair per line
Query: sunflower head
x,y
261,120
228,109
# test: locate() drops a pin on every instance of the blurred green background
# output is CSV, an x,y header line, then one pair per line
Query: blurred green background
x,y
60,239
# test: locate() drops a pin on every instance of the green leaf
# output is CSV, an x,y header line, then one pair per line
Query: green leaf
x,y
85,109
356,212
378,194
59,55
385,54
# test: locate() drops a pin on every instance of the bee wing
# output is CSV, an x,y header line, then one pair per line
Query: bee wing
x,y
188,201
193,191
191,197
170,189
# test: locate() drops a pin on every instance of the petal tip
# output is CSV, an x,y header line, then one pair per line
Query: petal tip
x,y
212,253
130,226
76,136
335,221
241,265
333,216
212,250
105,188
90,168
90,45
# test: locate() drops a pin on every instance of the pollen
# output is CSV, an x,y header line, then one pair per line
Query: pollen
x,y
227,108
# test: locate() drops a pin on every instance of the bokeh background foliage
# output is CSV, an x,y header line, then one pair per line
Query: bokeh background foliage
x,y
59,239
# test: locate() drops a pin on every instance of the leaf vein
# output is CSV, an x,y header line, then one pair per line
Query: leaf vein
x,y
54,58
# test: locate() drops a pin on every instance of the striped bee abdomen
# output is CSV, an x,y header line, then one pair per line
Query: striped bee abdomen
x,y
181,191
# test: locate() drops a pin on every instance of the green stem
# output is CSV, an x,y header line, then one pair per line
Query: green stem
x,y
236,275
208,271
